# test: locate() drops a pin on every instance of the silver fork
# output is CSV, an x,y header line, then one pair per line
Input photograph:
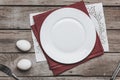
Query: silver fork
x,y
115,72
8,71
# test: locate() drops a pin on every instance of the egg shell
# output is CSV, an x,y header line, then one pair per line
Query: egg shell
x,y
23,45
24,64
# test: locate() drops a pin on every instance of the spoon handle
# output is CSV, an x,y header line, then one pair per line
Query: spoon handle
x,y
14,76
115,72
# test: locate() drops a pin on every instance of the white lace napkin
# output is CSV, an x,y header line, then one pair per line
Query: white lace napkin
x,y
97,16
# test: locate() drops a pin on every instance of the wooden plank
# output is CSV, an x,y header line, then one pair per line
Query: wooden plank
x,y
100,66
38,69
8,38
54,2
114,40
112,17
18,17
58,78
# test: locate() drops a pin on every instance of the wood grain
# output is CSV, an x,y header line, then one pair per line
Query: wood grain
x,y
8,38
18,17
56,2
58,78
14,25
100,66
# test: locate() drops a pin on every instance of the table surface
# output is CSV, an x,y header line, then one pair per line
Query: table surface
x,y
14,25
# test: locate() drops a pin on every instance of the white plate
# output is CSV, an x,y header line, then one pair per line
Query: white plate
x,y
68,35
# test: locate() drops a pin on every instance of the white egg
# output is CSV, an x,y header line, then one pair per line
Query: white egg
x,y
24,64
23,45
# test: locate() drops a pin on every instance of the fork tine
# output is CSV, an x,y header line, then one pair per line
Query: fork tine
x,y
8,71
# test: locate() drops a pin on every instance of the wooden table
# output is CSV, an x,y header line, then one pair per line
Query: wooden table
x,y
14,25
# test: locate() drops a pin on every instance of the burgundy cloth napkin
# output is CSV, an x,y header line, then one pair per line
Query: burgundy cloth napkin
x,y
56,67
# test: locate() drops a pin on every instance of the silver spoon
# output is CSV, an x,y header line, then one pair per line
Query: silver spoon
x,y
8,71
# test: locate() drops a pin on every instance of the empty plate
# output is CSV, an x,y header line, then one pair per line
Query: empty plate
x,y
68,35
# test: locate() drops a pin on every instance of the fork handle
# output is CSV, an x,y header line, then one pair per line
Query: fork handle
x,y
115,72
14,76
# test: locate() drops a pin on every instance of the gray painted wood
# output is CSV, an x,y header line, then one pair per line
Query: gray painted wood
x,y
58,78
100,66
8,39
18,17
56,2
14,15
